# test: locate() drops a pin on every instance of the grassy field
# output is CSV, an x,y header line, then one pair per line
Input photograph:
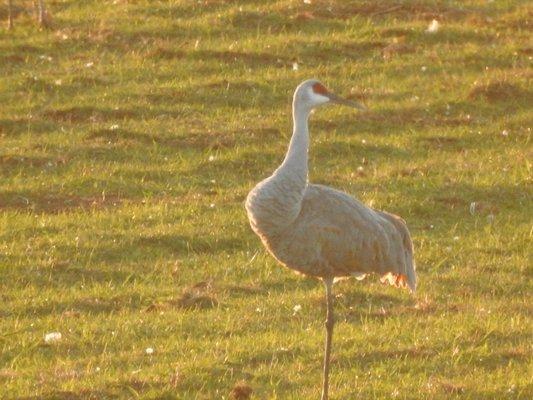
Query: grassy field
x,y
131,132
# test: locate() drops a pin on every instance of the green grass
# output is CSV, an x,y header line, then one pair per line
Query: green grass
x,y
130,133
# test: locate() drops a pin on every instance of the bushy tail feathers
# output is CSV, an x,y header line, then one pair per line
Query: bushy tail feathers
x,y
406,277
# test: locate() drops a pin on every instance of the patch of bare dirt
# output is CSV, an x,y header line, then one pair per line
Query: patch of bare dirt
x,y
241,391
528,51
200,295
499,91
12,59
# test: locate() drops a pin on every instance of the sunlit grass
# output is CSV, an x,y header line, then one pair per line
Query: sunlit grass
x,y
131,132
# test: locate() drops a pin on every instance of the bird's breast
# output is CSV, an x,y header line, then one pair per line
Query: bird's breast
x,y
271,207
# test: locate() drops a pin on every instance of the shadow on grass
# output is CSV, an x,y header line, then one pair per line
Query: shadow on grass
x,y
212,140
328,151
250,59
182,245
377,9
17,126
50,202
87,306
490,200
11,162
80,114
394,120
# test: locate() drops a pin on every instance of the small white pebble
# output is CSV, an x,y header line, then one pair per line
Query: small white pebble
x,y
211,158
363,141
505,132
423,68
295,66
212,205
433,27
52,337
149,350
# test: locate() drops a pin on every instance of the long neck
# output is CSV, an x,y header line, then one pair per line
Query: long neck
x,y
296,159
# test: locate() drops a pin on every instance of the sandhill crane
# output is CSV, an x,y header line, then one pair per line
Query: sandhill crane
x,y
323,232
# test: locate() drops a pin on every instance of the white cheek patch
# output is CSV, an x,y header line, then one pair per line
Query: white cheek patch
x,y
317,98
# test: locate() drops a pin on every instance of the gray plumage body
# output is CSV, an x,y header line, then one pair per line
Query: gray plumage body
x,y
323,232
336,235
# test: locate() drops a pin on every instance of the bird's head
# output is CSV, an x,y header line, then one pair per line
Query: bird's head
x,y
311,93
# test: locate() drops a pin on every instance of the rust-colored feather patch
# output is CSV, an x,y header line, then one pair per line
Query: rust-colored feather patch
x,y
320,89
397,280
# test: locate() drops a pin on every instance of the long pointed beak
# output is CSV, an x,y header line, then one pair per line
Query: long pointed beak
x,y
350,103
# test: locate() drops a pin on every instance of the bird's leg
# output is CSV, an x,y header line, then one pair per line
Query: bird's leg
x,y
329,335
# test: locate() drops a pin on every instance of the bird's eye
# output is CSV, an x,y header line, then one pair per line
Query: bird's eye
x,y
320,89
